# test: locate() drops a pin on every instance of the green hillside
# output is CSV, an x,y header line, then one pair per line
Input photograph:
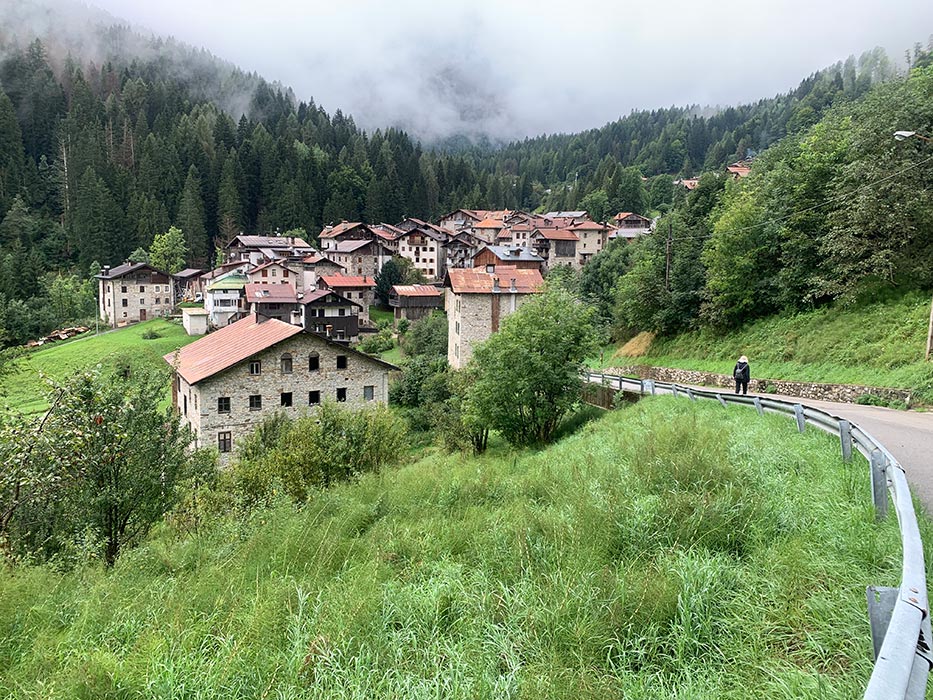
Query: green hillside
x,y
24,388
668,549
879,344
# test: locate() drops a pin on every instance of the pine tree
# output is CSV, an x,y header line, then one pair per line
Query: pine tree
x,y
191,219
11,153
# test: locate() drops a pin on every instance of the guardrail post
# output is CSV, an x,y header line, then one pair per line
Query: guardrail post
x,y
619,382
801,418
650,385
759,407
641,387
845,439
690,395
721,400
674,390
879,484
881,600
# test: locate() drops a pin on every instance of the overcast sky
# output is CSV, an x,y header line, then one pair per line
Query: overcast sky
x,y
522,67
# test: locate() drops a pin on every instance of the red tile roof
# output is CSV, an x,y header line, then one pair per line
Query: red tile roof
x,y
342,227
416,290
347,281
270,293
489,223
474,281
588,226
228,346
557,234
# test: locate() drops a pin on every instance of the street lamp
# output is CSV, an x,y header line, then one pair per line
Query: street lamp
x,y
901,136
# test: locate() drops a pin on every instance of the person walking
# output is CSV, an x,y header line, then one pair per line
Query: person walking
x,y
742,374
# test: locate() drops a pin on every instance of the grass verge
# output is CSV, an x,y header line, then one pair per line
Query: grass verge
x,y
24,389
668,549
880,344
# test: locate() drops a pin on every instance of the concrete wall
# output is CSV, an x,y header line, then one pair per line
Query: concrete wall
x,y
237,384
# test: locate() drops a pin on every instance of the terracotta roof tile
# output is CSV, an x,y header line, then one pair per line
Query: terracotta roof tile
x,y
557,234
474,281
416,290
270,293
228,346
347,281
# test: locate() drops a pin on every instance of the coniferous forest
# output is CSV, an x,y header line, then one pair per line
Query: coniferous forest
x,y
98,158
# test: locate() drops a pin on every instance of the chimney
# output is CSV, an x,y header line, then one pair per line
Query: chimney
x,y
512,287
495,284
329,330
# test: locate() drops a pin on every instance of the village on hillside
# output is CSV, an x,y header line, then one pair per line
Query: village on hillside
x,y
279,315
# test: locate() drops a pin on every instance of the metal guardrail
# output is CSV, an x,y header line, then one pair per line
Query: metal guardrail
x,y
900,624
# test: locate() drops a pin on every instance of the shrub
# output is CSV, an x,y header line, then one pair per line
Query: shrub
x,y
379,342
150,334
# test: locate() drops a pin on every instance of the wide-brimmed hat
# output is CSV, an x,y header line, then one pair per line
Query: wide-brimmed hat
x,y
743,359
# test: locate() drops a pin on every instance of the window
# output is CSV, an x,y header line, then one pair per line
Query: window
x,y
314,362
184,400
265,273
341,312
142,288
123,289
286,400
273,272
158,300
224,441
457,328
342,394
125,302
314,398
223,404
368,393
142,302
286,364
255,367
255,402
341,361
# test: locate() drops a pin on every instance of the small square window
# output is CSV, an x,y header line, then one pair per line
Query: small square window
x,y
255,402
142,289
287,365
126,302
223,404
123,289
341,361
314,363
224,441
286,401
255,367
342,394
341,312
314,398
369,393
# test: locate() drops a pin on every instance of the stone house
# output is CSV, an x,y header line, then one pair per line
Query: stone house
x,y
330,236
314,266
460,249
329,314
592,239
227,382
361,290
424,248
459,219
556,246
133,292
415,301
476,303
359,257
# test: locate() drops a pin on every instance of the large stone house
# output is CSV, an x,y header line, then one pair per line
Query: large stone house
x,y
424,248
133,292
477,301
330,236
227,382
359,257
556,246
592,240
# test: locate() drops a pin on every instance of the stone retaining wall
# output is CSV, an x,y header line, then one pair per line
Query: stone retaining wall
x,y
845,393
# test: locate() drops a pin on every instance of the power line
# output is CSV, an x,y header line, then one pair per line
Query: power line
x,y
811,208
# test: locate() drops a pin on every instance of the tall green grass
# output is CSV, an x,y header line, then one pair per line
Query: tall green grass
x,y
878,344
666,550
24,389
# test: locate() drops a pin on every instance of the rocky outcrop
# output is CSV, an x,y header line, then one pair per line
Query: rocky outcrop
x,y
845,393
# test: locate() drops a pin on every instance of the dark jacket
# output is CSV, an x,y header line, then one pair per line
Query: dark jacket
x,y
741,372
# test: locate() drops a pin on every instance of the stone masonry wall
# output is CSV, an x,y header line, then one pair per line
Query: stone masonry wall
x,y
844,393
474,316
237,384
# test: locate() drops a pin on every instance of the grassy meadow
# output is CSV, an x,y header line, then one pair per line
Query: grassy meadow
x,y
24,388
668,549
880,344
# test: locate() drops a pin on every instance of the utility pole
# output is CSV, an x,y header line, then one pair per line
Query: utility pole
x,y
667,270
